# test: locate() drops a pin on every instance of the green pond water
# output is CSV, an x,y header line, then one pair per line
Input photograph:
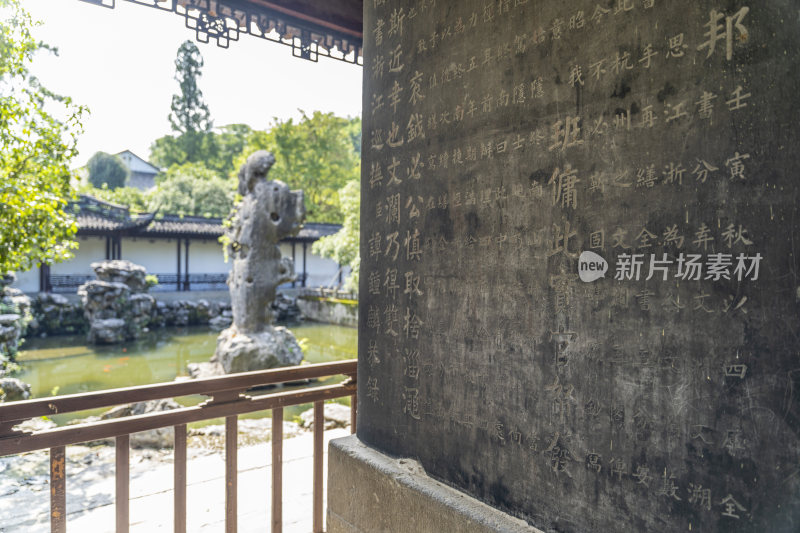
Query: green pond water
x,y
66,365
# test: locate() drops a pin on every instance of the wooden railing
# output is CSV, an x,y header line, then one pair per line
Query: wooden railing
x,y
227,399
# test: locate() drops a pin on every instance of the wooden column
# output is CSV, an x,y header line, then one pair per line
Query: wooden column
x,y
178,279
305,275
294,261
186,285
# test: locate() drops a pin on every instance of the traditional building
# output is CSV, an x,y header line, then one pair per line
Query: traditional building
x,y
142,173
183,252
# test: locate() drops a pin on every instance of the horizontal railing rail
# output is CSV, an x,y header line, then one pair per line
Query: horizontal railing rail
x,y
227,399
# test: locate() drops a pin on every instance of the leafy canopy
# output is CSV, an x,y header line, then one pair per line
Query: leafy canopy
x,y
218,149
192,189
318,154
38,134
343,246
107,169
133,198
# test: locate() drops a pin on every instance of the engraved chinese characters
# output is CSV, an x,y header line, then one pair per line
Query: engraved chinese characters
x,y
505,138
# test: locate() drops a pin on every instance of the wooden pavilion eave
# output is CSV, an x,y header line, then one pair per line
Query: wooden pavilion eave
x,y
312,28
343,16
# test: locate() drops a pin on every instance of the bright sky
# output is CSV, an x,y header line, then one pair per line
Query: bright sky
x,y
120,63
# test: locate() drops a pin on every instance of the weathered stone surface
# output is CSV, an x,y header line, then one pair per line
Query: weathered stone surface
x,y
12,390
660,396
15,315
328,310
107,331
210,369
119,295
155,438
53,314
336,416
218,323
274,346
122,271
285,309
369,491
268,212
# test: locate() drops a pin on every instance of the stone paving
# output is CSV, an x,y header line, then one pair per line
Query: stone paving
x,y
24,505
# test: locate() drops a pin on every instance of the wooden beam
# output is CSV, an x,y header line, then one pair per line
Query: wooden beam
x,y
25,409
104,429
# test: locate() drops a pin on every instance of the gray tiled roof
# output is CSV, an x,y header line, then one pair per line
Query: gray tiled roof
x,y
97,217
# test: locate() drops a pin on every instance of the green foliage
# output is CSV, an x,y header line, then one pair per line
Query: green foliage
x,y
317,154
218,150
135,199
151,280
343,246
38,133
192,189
106,169
190,117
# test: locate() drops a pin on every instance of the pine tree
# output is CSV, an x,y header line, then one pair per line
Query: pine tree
x,y
190,117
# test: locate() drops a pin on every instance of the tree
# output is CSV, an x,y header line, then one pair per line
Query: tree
x,y
107,169
38,134
192,189
218,149
190,117
343,246
317,154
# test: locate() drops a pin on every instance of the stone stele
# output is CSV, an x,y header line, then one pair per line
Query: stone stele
x,y
268,212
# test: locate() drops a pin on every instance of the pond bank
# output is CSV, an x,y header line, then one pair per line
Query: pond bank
x,y
67,365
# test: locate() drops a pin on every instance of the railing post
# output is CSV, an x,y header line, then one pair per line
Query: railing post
x,y
231,449
58,490
277,470
180,479
123,483
319,429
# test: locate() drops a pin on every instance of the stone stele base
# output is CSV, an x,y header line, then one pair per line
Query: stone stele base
x,y
369,492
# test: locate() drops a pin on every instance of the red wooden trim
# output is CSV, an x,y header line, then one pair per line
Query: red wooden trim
x,y
309,18
58,490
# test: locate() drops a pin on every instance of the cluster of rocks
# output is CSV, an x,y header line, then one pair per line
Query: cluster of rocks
x,y
192,313
116,304
55,314
15,314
